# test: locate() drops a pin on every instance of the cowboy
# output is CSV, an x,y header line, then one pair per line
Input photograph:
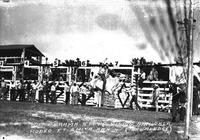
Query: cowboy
x,y
134,99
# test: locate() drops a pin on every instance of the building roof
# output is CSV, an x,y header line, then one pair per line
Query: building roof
x,y
16,50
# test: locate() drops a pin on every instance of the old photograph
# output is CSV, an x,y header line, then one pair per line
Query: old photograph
x,y
99,69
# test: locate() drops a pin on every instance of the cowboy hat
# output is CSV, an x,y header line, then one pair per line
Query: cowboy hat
x,y
122,76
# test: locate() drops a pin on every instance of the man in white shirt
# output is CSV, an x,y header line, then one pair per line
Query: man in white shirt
x,y
34,86
75,93
67,92
41,92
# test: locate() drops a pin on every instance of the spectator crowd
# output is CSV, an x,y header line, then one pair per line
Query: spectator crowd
x,y
47,92
42,92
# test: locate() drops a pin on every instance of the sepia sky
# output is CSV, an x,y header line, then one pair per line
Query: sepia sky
x,y
88,29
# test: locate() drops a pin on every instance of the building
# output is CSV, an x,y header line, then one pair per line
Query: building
x,y
20,61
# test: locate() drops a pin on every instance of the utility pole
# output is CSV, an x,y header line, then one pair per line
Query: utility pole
x,y
189,69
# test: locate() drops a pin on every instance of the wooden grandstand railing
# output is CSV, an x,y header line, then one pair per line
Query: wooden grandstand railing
x,y
146,93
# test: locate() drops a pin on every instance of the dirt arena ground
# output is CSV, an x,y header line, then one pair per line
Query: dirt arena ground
x,y
22,120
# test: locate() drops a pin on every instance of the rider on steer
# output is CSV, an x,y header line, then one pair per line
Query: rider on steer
x,y
103,72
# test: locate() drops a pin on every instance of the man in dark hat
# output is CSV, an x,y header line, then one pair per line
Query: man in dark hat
x,y
178,97
175,100
182,101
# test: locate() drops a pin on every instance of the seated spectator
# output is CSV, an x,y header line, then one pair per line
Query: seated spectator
x,y
141,79
153,75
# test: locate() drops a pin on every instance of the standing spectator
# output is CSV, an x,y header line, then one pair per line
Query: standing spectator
x,y
53,93
25,90
46,90
3,89
196,100
175,100
40,92
182,100
67,92
28,90
156,93
12,91
178,97
20,91
33,91
75,93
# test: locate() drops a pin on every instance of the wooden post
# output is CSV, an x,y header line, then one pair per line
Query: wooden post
x,y
40,73
14,72
132,74
70,74
23,59
189,72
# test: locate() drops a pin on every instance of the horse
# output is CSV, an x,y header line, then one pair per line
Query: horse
x,y
100,88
